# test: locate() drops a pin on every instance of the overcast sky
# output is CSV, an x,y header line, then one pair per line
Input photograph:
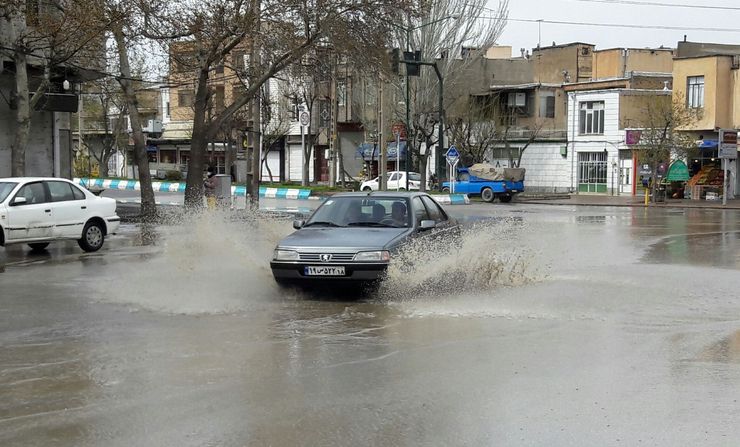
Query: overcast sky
x,y
620,12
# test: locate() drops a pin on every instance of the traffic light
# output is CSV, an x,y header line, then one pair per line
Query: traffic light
x,y
409,58
396,60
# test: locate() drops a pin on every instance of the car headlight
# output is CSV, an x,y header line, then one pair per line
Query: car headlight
x,y
381,255
285,255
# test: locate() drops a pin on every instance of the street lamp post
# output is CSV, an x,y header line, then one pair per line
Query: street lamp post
x,y
408,30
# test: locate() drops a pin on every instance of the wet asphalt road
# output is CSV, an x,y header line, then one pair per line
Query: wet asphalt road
x,y
551,326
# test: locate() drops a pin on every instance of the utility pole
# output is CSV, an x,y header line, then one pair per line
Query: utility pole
x,y
254,59
333,122
381,141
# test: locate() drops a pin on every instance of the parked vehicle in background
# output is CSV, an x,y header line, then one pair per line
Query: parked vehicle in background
x,y
37,211
488,182
352,237
396,181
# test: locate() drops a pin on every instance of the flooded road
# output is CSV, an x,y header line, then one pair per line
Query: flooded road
x,y
549,326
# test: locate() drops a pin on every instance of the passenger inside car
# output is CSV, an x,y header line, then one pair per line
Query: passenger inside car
x,y
398,213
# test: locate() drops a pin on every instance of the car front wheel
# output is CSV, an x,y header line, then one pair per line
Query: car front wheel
x,y
93,237
367,188
505,198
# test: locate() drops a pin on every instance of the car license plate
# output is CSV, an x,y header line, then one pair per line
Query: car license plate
x,y
315,270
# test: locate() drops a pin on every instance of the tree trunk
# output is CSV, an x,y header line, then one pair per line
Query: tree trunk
x,y
198,144
23,117
148,205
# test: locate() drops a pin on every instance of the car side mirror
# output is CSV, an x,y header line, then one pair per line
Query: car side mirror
x,y
427,224
298,224
19,201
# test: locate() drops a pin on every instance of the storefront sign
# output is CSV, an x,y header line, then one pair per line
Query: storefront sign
x,y
727,144
632,137
678,172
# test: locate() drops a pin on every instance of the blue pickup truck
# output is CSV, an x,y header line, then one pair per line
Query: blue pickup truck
x,y
488,182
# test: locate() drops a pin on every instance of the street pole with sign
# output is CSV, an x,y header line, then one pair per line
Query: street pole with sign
x,y
304,119
727,151
453,158
398,168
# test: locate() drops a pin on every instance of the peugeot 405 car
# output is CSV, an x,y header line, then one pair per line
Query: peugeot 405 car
x,y
352,237
37,211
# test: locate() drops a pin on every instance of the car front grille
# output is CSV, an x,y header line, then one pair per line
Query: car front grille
x,y
334,256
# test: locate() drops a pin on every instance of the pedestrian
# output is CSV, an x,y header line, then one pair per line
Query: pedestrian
x,y
209,187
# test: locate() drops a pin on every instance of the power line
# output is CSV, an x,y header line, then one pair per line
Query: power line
x,y
660,4
616,25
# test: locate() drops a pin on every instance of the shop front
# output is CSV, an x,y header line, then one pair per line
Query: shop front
x,y
369,153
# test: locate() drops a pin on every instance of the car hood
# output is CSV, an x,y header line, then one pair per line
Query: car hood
x,y
344,238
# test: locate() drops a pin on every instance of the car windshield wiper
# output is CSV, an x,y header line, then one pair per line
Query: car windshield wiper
x,y
322,222
369,224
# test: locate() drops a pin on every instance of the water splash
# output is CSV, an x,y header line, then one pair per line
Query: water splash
x,y
487,255
203,263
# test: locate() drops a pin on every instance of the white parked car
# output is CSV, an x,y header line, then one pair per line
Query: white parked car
x,y
396,180
36,211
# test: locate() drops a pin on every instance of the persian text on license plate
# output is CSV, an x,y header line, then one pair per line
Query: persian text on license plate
x,y
313,270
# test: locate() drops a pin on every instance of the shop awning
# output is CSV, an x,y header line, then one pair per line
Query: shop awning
x,y
369,151
678,172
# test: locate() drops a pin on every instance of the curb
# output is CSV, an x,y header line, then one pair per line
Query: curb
x,y
451,199
239,191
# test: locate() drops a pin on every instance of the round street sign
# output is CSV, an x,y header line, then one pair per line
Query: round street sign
x,y
304,118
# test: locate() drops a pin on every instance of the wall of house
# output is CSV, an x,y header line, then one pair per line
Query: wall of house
x,y
635,108
611,140
39,155
708,67
608,63
735,98
649,60
547,170
353,163
550,62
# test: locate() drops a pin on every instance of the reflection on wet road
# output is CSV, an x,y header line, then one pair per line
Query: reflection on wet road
x,y
587,326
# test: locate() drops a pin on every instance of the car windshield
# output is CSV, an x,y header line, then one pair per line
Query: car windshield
x,y
5,188
361,211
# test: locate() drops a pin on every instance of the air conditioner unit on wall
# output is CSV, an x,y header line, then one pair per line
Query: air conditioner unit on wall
x,y
153,126
517,99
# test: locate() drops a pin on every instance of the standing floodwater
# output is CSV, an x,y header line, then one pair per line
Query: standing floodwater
x,y
541,326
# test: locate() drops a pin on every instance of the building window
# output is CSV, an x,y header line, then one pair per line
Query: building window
x,y
547,105
591,121
168,156
695,92
341,93
185,98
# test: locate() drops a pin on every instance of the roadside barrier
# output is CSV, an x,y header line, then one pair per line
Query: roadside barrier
x,y
452,199
241,191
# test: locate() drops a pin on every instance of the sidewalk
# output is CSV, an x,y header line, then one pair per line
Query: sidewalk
x,y
633,201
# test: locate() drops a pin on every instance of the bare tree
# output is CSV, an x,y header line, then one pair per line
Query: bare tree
x,y
661,119
106,107
473,132
453,33
276,33
46,35
125,24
